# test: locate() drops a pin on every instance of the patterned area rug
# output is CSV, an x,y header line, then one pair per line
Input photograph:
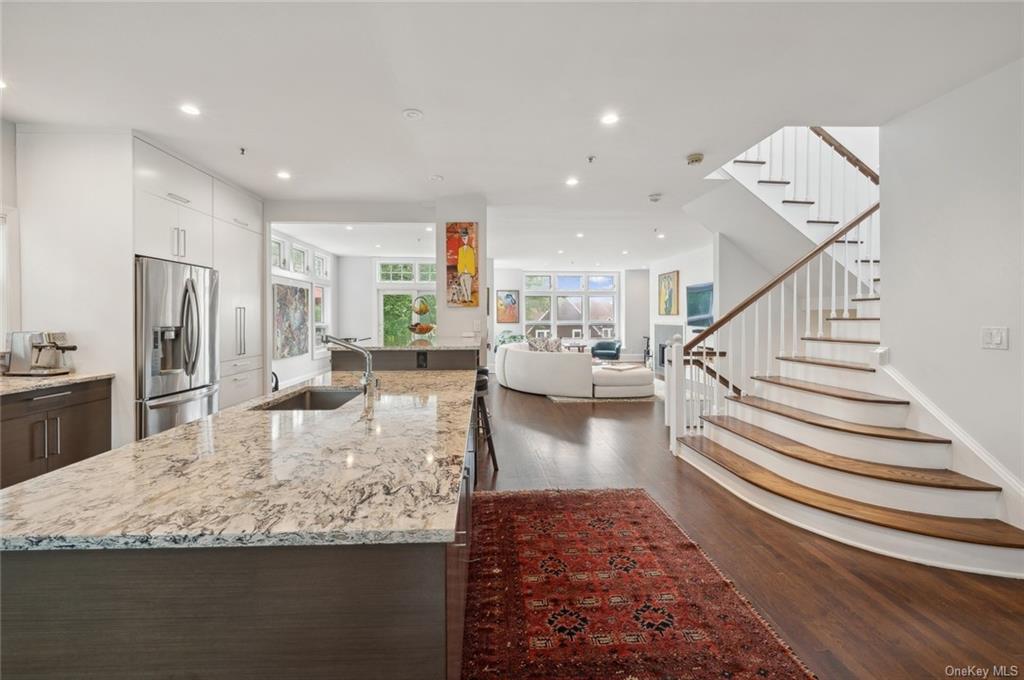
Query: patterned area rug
x,y
603,585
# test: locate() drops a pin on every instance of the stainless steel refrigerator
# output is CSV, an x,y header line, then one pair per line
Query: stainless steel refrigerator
x,y
175,344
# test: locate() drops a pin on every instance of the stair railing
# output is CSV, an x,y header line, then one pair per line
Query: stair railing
x,y
745,341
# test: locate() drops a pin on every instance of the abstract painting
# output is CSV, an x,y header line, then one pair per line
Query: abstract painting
x,y
668,293
462,280
291,320
507,304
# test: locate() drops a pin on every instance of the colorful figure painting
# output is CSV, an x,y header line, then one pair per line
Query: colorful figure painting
x,y
291,320
462,274
668,293
507,303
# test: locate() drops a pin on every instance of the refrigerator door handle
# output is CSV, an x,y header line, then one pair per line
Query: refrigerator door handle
x,y
194,328
186,329
183,398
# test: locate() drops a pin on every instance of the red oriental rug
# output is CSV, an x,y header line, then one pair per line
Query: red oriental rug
x,y
604,585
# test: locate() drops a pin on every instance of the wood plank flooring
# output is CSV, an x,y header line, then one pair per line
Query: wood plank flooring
x,y
847,612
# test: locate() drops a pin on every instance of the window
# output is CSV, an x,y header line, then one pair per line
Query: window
x,y
398,313
299,259
426,272
321,323
395,272
320,266
582,307
537,282
277,258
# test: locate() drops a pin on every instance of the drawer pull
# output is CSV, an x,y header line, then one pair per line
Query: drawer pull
x,y
51,396
176,197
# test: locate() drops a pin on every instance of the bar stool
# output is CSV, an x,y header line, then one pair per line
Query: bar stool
x,y
483,419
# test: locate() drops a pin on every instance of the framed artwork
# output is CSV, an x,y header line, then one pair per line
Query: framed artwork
x,y
291,320
668,293
507,304
462,275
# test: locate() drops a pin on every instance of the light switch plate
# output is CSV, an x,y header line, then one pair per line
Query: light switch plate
x,y
995,337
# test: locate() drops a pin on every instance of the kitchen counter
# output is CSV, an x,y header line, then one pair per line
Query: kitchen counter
x,y
441,353
14,384
439,344
380,473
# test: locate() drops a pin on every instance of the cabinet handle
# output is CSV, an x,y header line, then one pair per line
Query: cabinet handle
x,y
46,438
51,396
241,222
57,453
244,348
175,240
176,197
184,243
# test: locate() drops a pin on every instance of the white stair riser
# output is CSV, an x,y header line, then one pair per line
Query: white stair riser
x,y
884,415
982,559
854,380
915,498
841,351
855,329
868,308
877,449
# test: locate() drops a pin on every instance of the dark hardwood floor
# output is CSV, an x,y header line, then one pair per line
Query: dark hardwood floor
x,y
848,613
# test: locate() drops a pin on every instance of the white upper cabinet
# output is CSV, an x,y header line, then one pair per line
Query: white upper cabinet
x,y
170,231
237,207
161,174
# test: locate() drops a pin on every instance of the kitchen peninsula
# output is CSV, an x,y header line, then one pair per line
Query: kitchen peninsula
x,y
440,353
256,543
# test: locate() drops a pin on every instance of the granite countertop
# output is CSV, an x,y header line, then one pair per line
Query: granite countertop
x,y
423,344
385,472
13,384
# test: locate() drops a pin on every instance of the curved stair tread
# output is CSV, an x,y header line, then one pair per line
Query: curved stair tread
x,y
811,418
991,532
830,363
830,390
829,338
933,477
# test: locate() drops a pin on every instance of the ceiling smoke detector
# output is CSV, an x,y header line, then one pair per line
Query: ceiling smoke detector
x,y
412,114
695,159
654,198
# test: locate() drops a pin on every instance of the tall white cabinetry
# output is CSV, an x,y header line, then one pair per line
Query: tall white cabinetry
x,y
238,256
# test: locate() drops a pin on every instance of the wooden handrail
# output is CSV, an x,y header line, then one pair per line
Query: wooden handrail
x,y
768,287
850,157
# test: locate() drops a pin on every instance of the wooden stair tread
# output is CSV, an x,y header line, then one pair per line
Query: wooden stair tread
x,y
830,363
981,531
773,181
750,162
797,202
827,338
830,390
934,477
819,420
869,261
870,298
828,222
877,279
854,318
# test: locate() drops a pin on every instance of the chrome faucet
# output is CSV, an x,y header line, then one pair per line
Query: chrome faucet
x,y
369,381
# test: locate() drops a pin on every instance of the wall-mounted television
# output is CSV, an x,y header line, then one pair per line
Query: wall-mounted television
x,y
700,299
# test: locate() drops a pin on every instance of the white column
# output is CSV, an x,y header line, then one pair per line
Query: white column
x,y
457,321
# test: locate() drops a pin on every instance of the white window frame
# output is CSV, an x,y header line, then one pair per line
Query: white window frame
x,y
419,272
325,274
319,349
285,262
396,263
292,248
584,292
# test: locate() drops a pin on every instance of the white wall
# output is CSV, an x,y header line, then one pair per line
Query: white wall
x,y
737,274
635,314
8,174
10,295
506,279
862,141
695,266
75,196
953,255
357,304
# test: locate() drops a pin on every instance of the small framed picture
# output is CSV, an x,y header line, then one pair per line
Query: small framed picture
x,y
506,302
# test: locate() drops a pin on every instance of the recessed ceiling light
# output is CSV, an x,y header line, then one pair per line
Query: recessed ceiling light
x,y
561,252
3,85
572,181
610,118
597,264
625,252
430,229
349,227
579,235
377,246
437,178
412,114
284,174
661,236
190,109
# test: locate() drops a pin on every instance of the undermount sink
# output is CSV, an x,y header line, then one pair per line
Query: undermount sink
x,y
313,399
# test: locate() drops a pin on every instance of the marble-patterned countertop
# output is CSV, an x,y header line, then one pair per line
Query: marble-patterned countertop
x,y
423,344
13,384
382,472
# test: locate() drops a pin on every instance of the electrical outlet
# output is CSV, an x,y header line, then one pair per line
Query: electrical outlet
x,y
995,337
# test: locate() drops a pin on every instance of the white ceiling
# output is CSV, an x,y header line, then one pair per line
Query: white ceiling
x,y
375,239
511,92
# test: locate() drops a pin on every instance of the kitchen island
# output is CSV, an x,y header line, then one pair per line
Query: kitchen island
x,y
253,543
437,353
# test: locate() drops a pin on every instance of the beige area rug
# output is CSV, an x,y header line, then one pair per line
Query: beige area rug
x,y
659,395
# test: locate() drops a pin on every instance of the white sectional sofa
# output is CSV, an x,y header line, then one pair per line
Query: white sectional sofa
x,y
566,374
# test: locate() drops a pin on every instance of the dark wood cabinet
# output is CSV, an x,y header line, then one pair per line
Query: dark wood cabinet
x,y
43,430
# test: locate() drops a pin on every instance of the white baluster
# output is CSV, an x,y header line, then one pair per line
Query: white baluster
x,y
768,338
757,334
743,347
782,318
771,157
731,350
807,164
796,308
716,360
821,294
820,200
807,302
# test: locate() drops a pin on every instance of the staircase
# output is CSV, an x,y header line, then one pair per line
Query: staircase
x,y
790,409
